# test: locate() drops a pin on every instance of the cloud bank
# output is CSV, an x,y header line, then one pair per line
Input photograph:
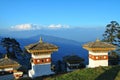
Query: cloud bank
x,y
58,26
24,27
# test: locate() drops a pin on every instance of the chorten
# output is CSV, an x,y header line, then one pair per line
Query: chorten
x,y
98,53
73,62
40,58
8,65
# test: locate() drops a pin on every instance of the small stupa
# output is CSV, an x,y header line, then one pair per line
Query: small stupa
x,y
98,53
8,65
40,58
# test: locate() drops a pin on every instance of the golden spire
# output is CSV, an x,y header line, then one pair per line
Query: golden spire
x,y
41,40
97,40
6,56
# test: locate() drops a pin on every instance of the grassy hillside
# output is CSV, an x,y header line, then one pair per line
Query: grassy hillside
x,y
100,73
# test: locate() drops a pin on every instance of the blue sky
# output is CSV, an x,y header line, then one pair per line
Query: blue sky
x,y
83,13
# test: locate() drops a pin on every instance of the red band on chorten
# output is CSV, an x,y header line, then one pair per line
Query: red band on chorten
x,y
41,61
98,57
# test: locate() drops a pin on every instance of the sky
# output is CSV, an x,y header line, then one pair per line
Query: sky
x,y
80,13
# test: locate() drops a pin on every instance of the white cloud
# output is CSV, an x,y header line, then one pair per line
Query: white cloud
x,y
26,27
37,27
58,26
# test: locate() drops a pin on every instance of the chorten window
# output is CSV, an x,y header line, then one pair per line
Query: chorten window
x,y
38,60
47,60
96,57
105,57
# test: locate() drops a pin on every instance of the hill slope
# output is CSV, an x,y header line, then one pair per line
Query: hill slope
x,y
100,73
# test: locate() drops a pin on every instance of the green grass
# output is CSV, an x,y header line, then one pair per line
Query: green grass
x,y
118,76
99,73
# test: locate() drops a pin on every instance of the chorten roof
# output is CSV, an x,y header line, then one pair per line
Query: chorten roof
x,y
8,63
98,45
73,59
40,46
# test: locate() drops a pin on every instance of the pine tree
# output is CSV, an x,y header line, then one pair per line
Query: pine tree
x,y
12,46
112,36
111,33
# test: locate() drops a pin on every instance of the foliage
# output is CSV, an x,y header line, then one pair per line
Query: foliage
x,y
118,76
11,45
112,36
112,33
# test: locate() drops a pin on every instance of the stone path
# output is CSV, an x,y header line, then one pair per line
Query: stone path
x,y
7,77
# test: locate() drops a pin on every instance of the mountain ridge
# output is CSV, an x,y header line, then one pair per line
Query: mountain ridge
x,y
66,46
77,34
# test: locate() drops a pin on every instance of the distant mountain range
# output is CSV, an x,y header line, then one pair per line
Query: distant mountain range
x,y
77,33
69,40
66,47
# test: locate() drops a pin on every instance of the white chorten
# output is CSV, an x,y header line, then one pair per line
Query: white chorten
x,y
41,58
98,53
